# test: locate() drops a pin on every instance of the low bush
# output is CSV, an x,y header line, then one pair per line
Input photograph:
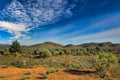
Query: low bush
x,y
22,64
2,77
104,61
27,73
43,53
25,78
45,76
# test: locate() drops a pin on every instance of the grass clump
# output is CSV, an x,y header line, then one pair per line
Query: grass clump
x,y
51,71
2,77
4,66
45,76
25,78
27,73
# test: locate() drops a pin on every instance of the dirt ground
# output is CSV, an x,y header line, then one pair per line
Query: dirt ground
x,y
13,73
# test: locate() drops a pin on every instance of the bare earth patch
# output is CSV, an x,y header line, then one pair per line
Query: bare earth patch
x,y
13,73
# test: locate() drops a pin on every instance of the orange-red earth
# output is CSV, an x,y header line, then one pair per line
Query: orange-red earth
x,y
13,73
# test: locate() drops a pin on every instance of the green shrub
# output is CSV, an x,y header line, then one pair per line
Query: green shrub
x,y
55,53
25,78
4,66
2,52
43,53
67,51
22,63
1,77
50,71
27,73
6,53
15,47
61,52
45,76
103,61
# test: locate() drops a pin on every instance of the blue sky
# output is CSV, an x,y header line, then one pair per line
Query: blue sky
x,y
61,21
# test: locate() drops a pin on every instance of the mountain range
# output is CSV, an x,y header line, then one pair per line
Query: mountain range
x,y
56,45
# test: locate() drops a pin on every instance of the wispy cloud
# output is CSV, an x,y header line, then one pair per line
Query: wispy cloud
x,y
107,33
14,28
101,22
106,21
37,12
107,39
21,15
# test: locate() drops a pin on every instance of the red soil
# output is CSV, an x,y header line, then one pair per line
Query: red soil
x,y
13,73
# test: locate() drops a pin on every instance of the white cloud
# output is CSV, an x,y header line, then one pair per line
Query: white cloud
x,y
107,33
37,12
14,28
22,16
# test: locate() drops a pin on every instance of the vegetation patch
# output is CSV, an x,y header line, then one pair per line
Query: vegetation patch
x,y
2,77
25,78
103,61
27,73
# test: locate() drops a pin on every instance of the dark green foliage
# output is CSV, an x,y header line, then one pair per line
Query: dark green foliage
x,y
15,47
104,61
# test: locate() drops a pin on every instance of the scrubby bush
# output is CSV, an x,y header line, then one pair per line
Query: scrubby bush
x,y
51,71
43,53
15,47
61,52
104,61
2,77
45,76
22,63
27,73
67,51
25,78
4,52
1,51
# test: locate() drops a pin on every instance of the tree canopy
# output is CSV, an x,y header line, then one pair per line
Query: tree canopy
x,y
15,47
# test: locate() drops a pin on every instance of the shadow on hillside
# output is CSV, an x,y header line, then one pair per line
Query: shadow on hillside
x,y
79,72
